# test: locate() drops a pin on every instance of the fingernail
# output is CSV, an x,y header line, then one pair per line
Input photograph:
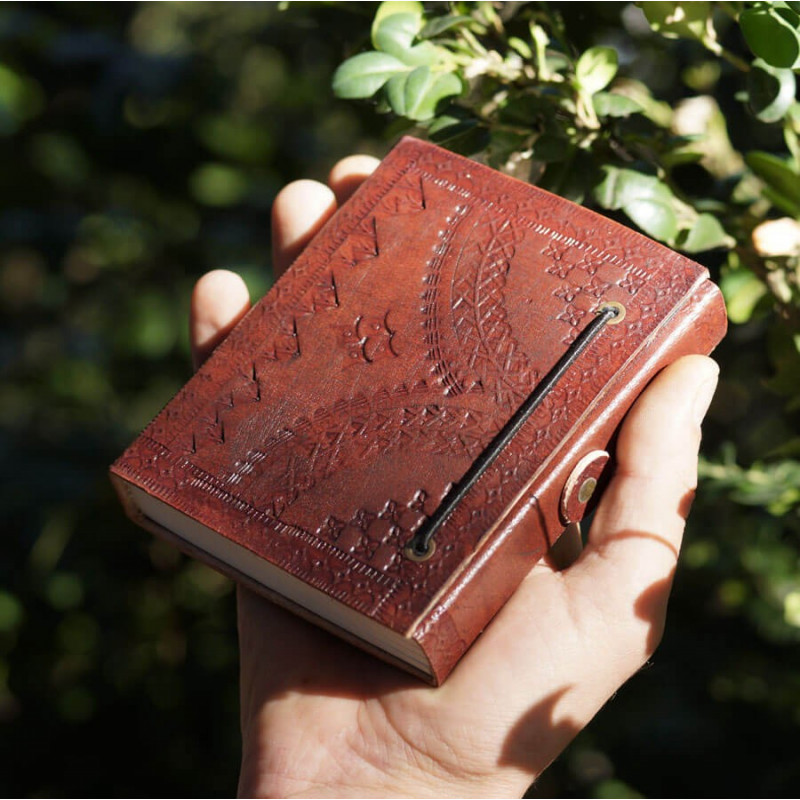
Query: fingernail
x,y
704,394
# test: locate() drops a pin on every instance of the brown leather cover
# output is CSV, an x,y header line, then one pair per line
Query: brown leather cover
x,y
334,417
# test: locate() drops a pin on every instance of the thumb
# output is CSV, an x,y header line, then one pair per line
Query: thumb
x,y
636,534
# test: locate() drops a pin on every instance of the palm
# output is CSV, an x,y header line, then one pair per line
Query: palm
x,y
319,717
357,709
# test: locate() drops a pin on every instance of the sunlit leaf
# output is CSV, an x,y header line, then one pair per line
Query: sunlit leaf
x,y
459,132
706,233
655,217
362,75
596,68
778,174
772,34
620,187
742,291
395,34
608,104
389,9
770,91
687,20
520,46
441,24
417,94
424,54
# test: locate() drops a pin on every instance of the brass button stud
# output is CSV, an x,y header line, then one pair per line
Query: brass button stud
x,y
580,486
587,490
411,552
618,307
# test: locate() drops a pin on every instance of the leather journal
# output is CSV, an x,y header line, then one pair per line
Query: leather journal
x,y
407,421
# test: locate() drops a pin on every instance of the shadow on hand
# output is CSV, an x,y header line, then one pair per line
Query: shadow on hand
x,y
651,605
541,734
538,736
287,655
652,608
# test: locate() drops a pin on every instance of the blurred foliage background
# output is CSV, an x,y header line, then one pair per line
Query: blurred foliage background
x,y
142,144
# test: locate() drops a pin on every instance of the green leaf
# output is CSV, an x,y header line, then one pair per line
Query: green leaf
x,y
742,290
395,93
441,24
785,359
504,146
451,124
791,448
651,204
674,158
655,217
364,74
550,147
673,20
608,104
416,94
782,202
460,132
705,234
425,90
770,90
527,109
772,34
777,174
573,177
424,54
596,68
791,131
390,9
556,62
395,34
11,612
620,187
521,47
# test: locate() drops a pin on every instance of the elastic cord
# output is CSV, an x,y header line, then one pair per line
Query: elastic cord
x,y
420,546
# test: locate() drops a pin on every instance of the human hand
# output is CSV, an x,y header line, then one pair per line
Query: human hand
x,y
321,718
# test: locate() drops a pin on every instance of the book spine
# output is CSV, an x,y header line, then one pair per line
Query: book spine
x,y
532,523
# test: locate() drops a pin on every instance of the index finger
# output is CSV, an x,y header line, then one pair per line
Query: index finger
x,y
303,207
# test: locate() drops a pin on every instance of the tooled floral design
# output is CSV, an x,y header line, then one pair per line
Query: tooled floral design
x,y
351,431
376,536
369,338
355,239
313,289
494,361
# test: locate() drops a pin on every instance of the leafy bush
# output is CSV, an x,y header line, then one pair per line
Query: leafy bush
x,y
708,163
144,145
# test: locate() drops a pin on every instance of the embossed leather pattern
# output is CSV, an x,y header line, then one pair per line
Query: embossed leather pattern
x,y
332,420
